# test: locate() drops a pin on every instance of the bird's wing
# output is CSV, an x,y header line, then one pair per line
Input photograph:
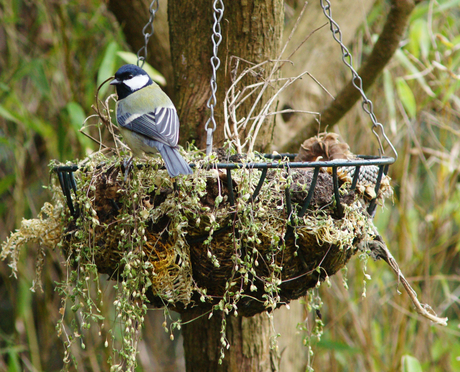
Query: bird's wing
x,y
161,125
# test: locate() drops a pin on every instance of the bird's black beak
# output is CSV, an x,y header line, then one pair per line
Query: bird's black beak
x,y
115,81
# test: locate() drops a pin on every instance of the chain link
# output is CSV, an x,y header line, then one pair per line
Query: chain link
x,y
347,59
218,8
142,53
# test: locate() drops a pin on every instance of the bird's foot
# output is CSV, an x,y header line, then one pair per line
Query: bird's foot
x,y
127,167
175,187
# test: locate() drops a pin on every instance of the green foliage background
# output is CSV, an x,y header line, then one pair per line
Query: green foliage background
x,y
52,57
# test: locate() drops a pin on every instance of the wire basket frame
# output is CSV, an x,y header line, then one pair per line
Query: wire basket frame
x,y
69,186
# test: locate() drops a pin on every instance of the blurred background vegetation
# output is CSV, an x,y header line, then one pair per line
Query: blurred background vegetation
x,y
53,55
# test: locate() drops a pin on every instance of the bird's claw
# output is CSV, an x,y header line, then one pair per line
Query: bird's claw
x,y
127,166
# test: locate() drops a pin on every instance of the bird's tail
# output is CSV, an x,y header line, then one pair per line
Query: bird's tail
x,y
175,163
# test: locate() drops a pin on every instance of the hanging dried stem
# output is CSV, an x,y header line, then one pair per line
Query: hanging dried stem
x,y
251,124
103,110
243,131
379,250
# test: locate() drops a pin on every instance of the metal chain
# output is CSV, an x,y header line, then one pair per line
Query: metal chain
x,y
367,105
218,8
142,53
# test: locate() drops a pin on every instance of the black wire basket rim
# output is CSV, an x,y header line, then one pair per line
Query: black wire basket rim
x,y
361,160
67,180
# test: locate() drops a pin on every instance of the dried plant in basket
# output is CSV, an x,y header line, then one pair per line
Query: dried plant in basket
x,y
327,147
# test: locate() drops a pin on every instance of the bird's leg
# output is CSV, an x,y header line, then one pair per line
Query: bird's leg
x,y
174,182
128,166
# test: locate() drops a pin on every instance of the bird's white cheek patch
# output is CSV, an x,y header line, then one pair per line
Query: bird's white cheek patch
x,y
137,82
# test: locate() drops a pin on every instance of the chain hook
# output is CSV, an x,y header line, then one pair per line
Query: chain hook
x,y
142,53
218,8
356,79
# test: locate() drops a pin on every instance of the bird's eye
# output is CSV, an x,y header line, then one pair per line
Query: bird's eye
x,y
130,76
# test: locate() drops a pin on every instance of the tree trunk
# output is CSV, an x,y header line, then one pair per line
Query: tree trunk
x,y
248,338
250,30
294,354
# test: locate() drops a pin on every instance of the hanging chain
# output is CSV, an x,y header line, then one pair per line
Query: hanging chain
x,y
142,53
367,105
218,8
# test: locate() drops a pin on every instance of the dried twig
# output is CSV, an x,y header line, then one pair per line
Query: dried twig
x,y
102,110
243,131
379,250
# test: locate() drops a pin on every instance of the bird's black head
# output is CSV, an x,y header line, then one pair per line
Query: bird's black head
x,y
130,78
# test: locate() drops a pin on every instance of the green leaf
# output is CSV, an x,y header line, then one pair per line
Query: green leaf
x,y
451,92
77,117
454,356
39,77
129,57
402,58
6,182
446,5
456,40
439,348
4,141
4,87
441,6
410,364
107,67
76,114
13,360
4,113
29,122
338,346
407,97
419,39
390,98
35,124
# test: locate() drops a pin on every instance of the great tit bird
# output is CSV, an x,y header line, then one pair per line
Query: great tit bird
x,y
147,118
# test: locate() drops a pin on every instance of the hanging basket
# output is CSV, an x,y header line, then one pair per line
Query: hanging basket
x,y
241,235
255,234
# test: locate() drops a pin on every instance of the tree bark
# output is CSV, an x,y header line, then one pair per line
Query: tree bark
x,y
249,340
250,30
